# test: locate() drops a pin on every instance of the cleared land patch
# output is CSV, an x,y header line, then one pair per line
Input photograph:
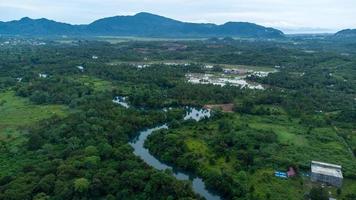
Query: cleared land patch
x,y
17,113
295,143
223,107
95,83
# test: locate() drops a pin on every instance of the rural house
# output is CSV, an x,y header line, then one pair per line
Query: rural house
x,y
326,173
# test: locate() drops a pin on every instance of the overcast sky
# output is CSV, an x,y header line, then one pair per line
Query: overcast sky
x,y
287,15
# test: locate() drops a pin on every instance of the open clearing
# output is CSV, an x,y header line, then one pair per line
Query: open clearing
x,y
223,107
95,83
18,113
182,62
296,143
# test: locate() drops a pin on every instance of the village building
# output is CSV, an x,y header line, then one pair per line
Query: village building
x,y
41,75
171,64
291,172
142,66
326,173
208,66
232,71
280,174
81,68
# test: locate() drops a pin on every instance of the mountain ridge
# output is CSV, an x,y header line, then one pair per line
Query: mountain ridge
x,y
141,24
346,34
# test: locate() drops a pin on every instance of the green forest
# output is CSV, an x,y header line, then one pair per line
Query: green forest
x,y
63,137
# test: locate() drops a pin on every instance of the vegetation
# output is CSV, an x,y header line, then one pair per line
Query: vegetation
x,y
141,24
62,137
17,115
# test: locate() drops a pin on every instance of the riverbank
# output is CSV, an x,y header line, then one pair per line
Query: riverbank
x,y
198,185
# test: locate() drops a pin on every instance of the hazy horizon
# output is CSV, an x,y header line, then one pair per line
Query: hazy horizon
x,y
319,16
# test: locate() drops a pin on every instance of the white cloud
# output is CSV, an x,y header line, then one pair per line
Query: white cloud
x,y
285,14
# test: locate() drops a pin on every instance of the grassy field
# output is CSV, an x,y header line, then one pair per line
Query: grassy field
x,y
182,62
95,83
100,85
16,114
295,144
248,67
120,39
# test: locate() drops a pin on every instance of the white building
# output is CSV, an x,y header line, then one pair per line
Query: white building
x,y
208,66
41,75
142,66
81,68
326,173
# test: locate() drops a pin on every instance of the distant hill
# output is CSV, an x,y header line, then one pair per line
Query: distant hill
x,y
141,24
346,34
27,26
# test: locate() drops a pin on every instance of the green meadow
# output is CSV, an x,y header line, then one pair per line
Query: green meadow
x,y
97,84
20,112
207,146
16,115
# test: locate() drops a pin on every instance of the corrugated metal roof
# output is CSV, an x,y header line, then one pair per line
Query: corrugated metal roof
x,y
326,164
326,169
280,174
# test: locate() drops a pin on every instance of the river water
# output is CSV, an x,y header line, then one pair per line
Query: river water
x,y
198,184
121,101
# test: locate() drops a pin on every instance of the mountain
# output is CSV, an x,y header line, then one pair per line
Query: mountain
x,y
346,34
141,24
247,29
27,26
146,24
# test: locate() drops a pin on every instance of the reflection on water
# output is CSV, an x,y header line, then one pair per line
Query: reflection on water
x,y
121,101
223,80
196,114
139,150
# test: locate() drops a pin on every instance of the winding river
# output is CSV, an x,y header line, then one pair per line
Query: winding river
x,y
138,144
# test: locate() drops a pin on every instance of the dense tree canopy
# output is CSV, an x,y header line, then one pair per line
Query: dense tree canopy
x,y
307,111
